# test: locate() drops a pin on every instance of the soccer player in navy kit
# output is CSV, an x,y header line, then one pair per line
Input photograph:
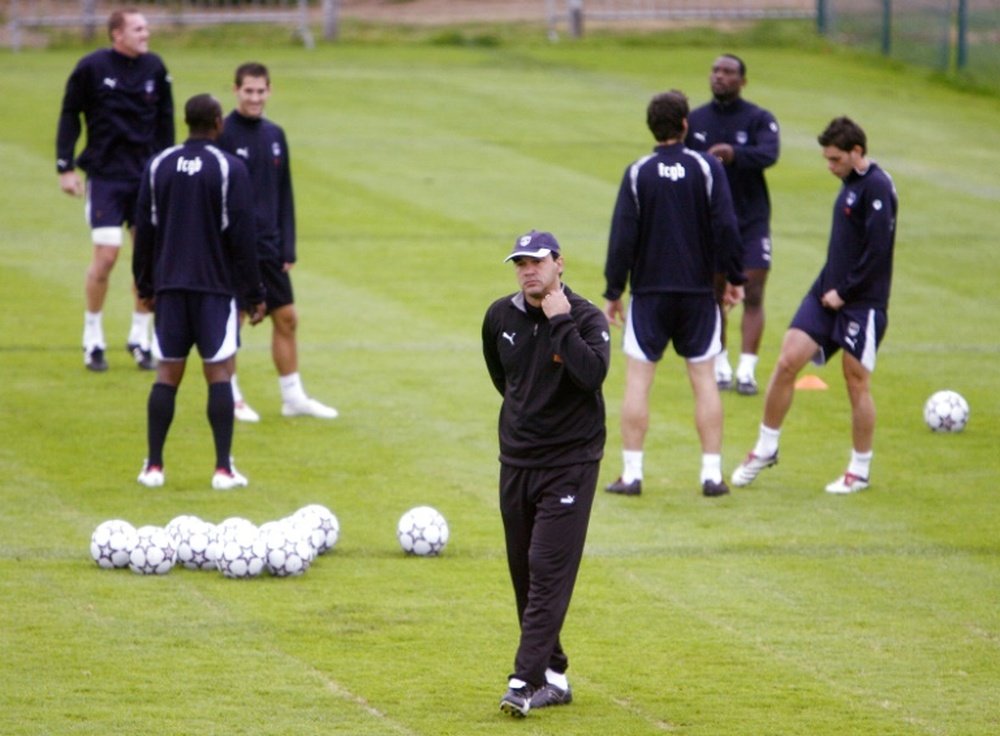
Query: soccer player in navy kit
x,y
125,98
845,309
744,137
672,230
262,146
547,351
194,259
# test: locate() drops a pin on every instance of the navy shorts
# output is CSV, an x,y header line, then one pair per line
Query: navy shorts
x,y
277,284
110,203
690,321
757,253
856,330
188,318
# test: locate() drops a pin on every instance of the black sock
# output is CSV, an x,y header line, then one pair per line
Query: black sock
x,y
220,416
160,413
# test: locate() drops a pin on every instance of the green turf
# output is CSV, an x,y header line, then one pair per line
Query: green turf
x,y
777,610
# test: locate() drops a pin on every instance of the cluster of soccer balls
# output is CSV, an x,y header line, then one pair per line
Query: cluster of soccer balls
x,y
238,548
946,411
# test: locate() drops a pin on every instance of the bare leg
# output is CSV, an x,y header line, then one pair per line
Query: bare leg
x,y
752,325
635,407
284,350
707,405
797,349
862,405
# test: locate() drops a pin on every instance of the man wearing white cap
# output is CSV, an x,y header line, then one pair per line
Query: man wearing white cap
x,y
547,351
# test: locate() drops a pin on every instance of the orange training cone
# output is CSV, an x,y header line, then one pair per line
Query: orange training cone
x,y
811,383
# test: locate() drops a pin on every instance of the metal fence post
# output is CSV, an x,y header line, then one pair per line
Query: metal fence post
x,y
886,27
331,20
89,11
962,57
576,18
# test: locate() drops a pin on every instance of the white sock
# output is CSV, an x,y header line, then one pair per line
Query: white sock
x,y
722,366
237,394
292,391
632,460
558,679
861,463
93,330
139,332
767,442
711,467
515,683
747,366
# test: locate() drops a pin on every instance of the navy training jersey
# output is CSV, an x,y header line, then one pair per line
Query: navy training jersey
x,y
128,107
862,239
673,226
262,146
194,225
753,133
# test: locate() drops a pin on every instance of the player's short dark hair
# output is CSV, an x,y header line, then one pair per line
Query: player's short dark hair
x,y
116,21
845,134
251,69
738,60
201,113
666,114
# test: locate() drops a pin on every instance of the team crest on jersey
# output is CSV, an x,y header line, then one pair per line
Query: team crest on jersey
x,y
276,150
741,137
150,86
243,153
851,199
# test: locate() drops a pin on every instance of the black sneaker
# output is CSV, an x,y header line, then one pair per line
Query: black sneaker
x,y
549,694
143,358
712,489
625,489
94,360
517,701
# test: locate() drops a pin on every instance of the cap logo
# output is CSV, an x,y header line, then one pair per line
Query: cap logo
x,y
525,240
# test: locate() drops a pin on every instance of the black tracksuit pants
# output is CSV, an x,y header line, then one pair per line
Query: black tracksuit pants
x,y
545,516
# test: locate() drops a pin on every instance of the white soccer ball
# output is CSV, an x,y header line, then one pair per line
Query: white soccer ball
x,y
154,552
946,411
112,543
422,531
238,550
194,540
286,551
321,525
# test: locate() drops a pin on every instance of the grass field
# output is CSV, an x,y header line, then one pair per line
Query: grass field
x,y
776,610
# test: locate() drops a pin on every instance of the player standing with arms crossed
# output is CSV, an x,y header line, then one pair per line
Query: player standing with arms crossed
x,y
194,258
547,351
845,309
744,138
125,98
262,146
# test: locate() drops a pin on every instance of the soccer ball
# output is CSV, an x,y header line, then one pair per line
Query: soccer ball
x,y
287,552
238,550
320,524
112,543
154,552
194,544
946,411
422,531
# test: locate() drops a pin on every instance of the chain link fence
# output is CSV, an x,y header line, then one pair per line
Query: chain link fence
x,y
959,37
